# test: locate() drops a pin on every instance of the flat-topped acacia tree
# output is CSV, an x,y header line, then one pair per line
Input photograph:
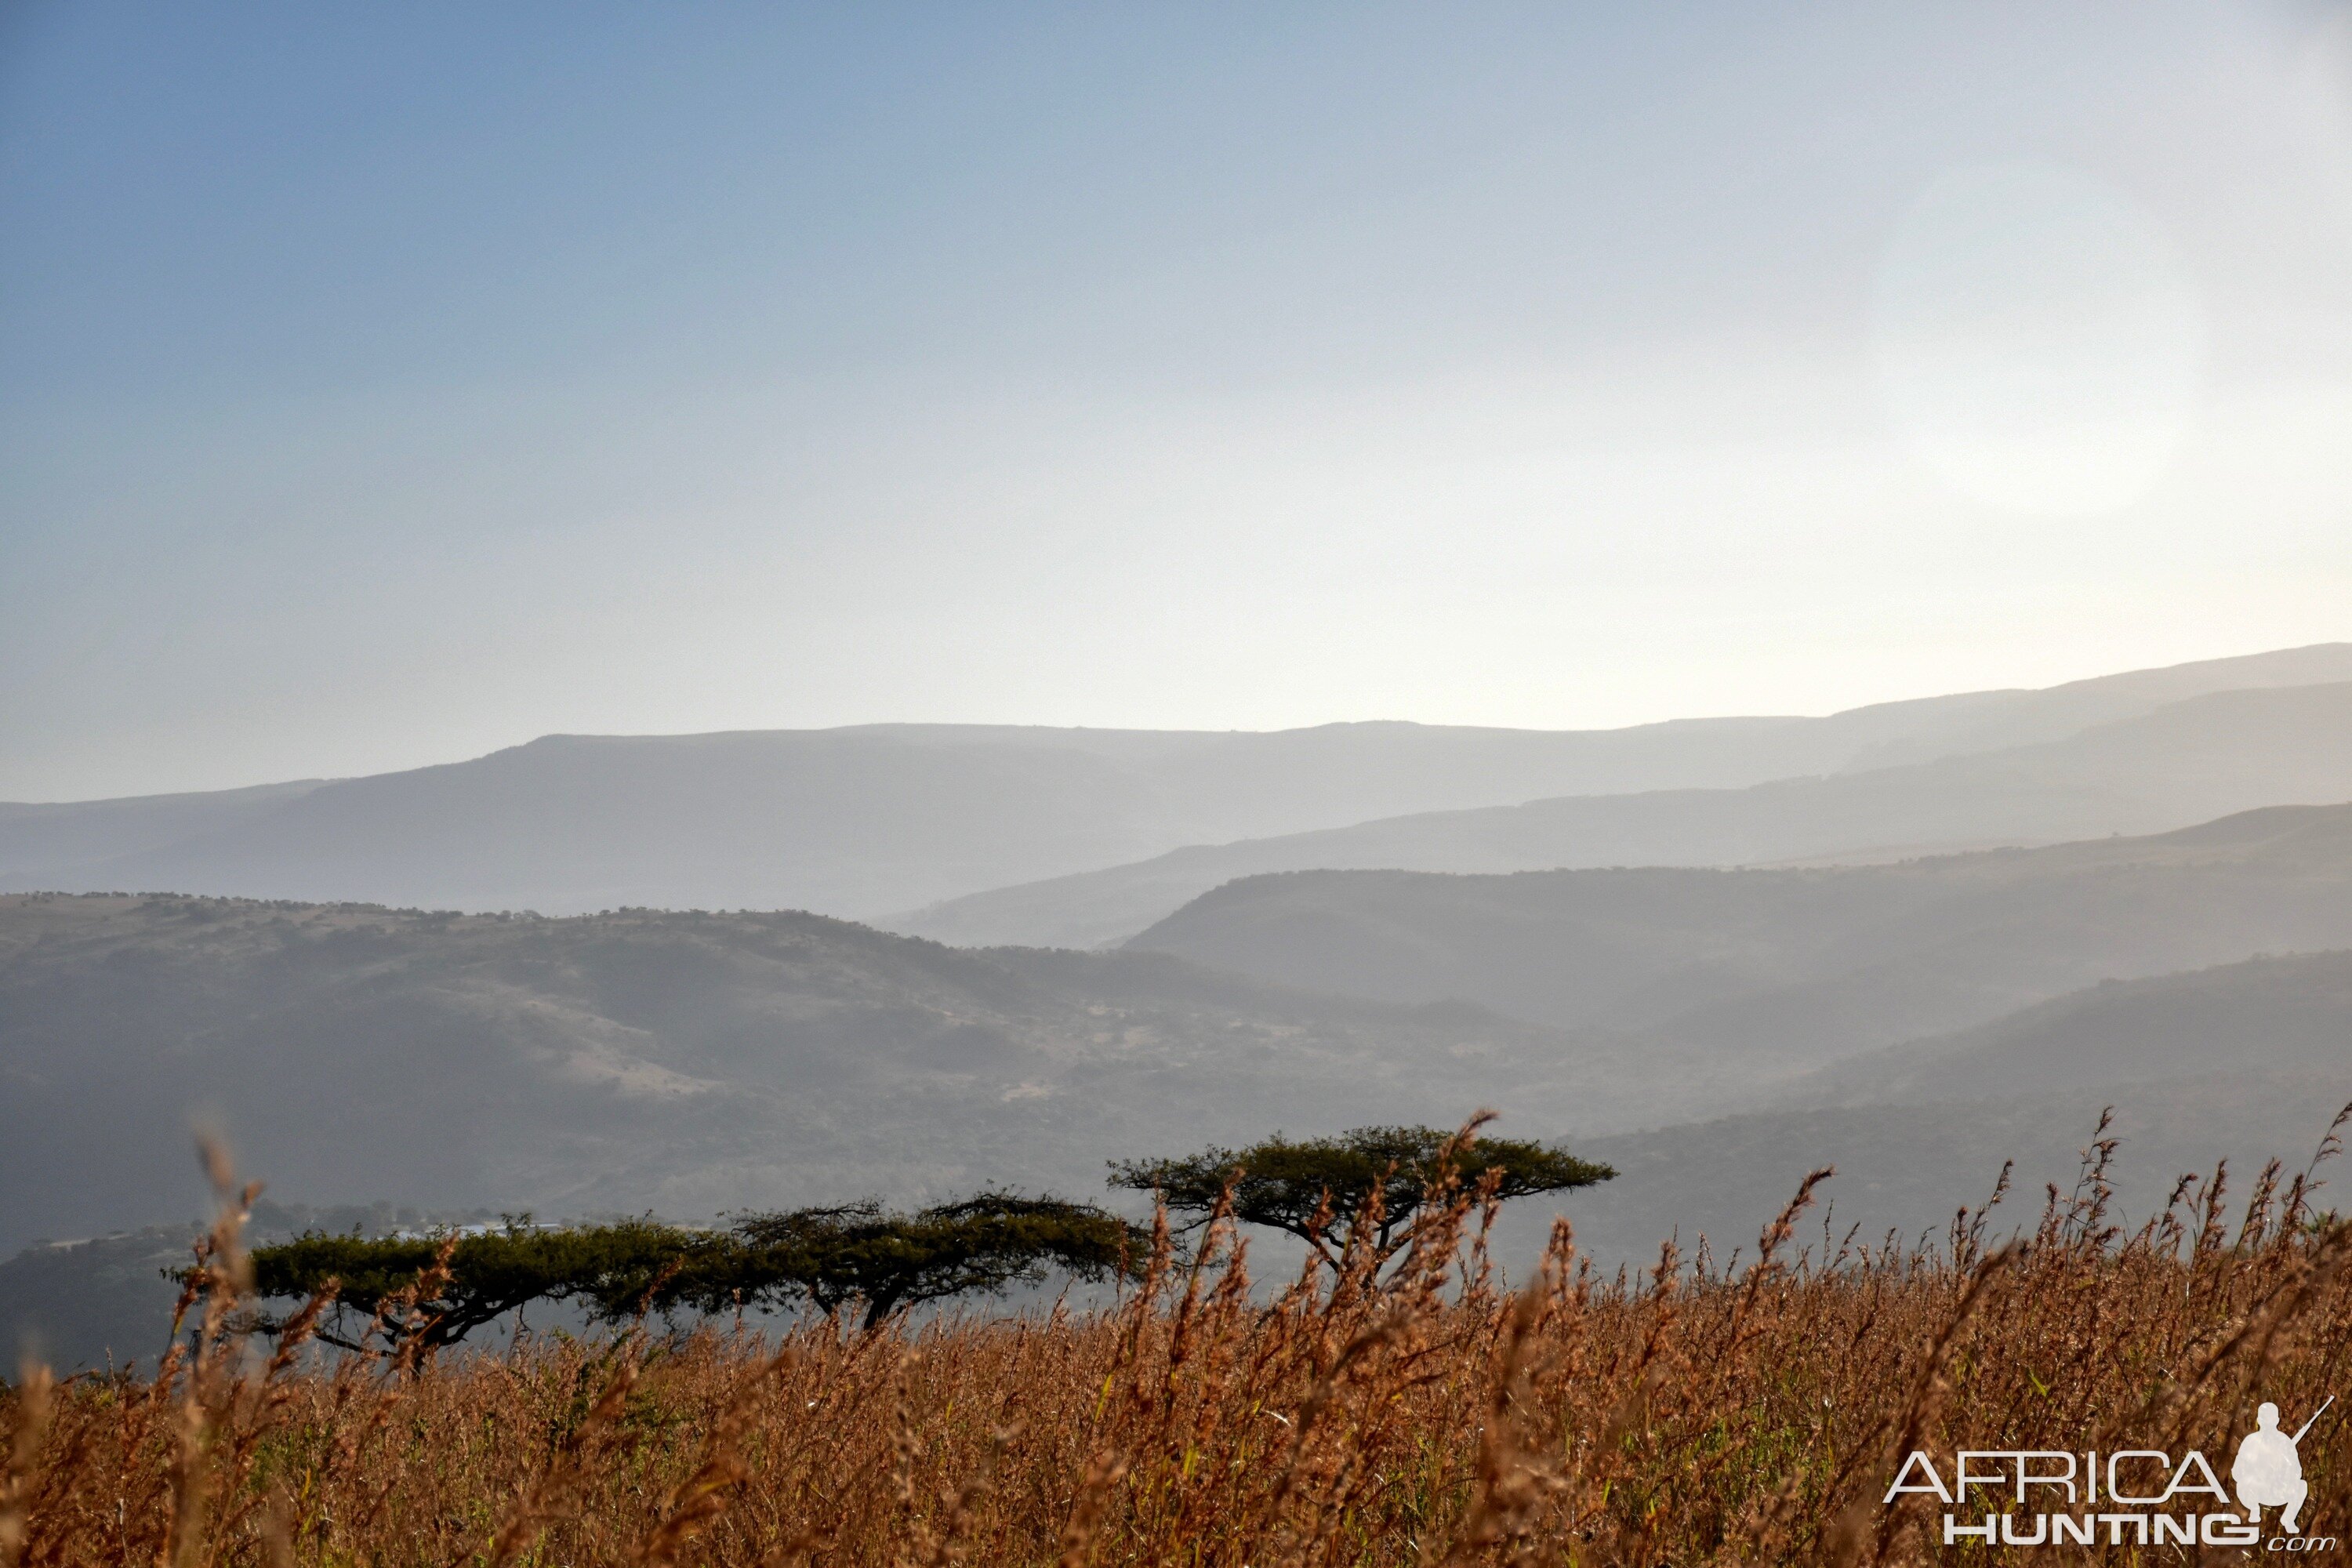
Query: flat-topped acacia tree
x,y
1317,1189
862,1253
433,1291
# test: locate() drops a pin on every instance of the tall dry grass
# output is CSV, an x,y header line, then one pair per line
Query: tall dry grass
x,y
1748,1412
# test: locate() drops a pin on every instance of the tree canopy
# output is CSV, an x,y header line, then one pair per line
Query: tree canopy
x,y
1319,1188
401,1284
860,1252
835,1257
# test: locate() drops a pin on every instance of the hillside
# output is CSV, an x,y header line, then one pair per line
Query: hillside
x,y
2283,1027
850,821
2243,1062
1906,1168
2178,764
692,1063
862,821
37,839
1790,968
682,1062
79,1304
2290,1015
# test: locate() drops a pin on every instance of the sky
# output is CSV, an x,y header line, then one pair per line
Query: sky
x,y
384,385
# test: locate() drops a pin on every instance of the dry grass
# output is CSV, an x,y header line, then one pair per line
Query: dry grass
x,y
1695,1414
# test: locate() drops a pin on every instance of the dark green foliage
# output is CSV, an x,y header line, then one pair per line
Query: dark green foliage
x,y
1317,1189
859,1252
831,1257
612,1269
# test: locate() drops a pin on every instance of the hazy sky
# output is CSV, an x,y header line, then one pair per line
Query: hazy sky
x,y
379,385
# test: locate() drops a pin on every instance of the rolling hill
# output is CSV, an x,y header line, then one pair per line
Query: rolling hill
x,y
862,821
685,1062
2166,768
1908,1168
2244,1063
690,1063
1787,969
2290,1014
845,821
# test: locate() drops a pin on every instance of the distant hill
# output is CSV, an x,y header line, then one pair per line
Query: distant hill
x,y
1908,1168
693,1063
2166,768
1787,969
1904,1168
93,1303
2244,1062
81,1304
687,1063
868,820
2288,1015
38,839
847,822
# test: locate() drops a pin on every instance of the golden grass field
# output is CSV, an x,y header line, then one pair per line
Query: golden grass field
x,y
1751,1410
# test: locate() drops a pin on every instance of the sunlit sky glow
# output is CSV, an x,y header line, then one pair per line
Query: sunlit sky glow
x,y
380,385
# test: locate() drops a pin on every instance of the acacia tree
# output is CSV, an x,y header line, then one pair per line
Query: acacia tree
x,y
402,1288
861,1253
1321,1189
405,1289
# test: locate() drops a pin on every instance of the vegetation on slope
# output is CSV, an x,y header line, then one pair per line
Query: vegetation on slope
x,y
679,1062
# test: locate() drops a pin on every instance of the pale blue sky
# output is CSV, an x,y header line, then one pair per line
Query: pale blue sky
x,y
382,384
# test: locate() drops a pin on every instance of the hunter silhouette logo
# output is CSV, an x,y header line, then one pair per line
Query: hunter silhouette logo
x,y
2129,1497
2268,1470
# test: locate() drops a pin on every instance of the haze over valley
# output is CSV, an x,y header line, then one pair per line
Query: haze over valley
x,y
868,823
1158,783
1915,942
682,616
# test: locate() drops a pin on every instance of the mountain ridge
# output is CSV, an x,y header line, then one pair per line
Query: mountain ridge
x,y
861,820
1793,965
2168,767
